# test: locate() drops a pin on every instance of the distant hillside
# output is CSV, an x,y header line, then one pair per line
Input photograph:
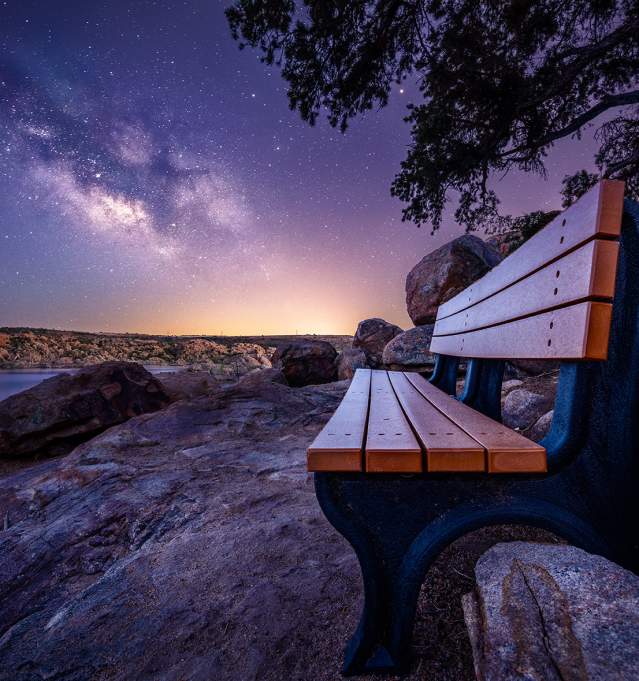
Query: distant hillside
x,y
31,348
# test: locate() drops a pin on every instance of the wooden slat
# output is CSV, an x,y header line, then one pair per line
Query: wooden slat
x,y
579,331
597,213
588,272
339,446
507,451
448,447
390,443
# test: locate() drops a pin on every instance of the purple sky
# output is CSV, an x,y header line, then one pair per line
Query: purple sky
x,y
152,179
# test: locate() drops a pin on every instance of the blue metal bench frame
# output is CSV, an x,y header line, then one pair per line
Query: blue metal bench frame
x,y
399,524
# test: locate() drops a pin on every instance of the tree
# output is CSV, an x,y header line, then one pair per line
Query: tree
x,y
499,82
574,186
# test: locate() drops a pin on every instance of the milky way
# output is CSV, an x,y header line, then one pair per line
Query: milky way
x,y
153,179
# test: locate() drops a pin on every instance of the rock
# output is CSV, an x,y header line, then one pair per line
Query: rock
x,y
541,427
348,361
201,350
533,367
185,385
253,350
372,336
259,377
184,544
507,386
239,364
306,362
409,350
57,414
552,612
522,408
445,272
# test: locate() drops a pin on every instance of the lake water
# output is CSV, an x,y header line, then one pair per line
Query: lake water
x,y
16,380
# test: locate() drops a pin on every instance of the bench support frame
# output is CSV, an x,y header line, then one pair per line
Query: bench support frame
x,y
399,524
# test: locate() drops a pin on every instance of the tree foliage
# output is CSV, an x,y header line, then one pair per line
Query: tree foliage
x,y
499,82
574,186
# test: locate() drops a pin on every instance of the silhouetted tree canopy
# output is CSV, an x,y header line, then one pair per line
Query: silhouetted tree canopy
x,y
500,82
574,186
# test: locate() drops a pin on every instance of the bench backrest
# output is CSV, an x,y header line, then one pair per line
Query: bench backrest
x,y
551,298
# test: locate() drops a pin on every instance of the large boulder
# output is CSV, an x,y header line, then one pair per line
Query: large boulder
x,y
523,407
409,350
57,414
306,362
348,361
552,612
445,272
372,336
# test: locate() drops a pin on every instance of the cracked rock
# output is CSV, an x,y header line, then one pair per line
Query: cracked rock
x,y
552,613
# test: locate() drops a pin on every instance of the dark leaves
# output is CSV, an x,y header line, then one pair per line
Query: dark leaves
x,y
500,80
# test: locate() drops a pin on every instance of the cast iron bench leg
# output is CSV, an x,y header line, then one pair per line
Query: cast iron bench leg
x,y
398,545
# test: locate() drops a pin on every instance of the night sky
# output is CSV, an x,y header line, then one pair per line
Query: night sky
x,y
153,179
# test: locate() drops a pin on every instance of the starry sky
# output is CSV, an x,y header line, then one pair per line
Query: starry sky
x,y
153,179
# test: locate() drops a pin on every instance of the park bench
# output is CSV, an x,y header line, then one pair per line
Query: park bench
x,y
404,467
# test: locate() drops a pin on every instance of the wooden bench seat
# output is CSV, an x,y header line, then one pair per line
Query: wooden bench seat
x,y
414,427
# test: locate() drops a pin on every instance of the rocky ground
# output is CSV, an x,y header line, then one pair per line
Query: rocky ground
x,y
188,544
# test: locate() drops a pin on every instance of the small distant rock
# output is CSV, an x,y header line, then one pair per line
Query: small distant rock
x,y
372,336
186,385
409,350
445,272
306,362
522,408
542,426
544,611
507,386
59,413
349,361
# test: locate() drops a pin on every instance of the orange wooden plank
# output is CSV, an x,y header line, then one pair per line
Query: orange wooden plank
x,y
448,448
339,445
507,451
588,272
597,213
579,331
390,443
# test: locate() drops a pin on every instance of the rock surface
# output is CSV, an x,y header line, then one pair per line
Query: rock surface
x,y
508,386
445,272
372,336
185,385
522,408
348,361
57,414
409,350
185,544
306,362
541,427
532,367
189,544
555,613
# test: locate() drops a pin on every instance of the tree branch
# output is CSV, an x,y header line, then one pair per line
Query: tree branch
x,y
608,102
